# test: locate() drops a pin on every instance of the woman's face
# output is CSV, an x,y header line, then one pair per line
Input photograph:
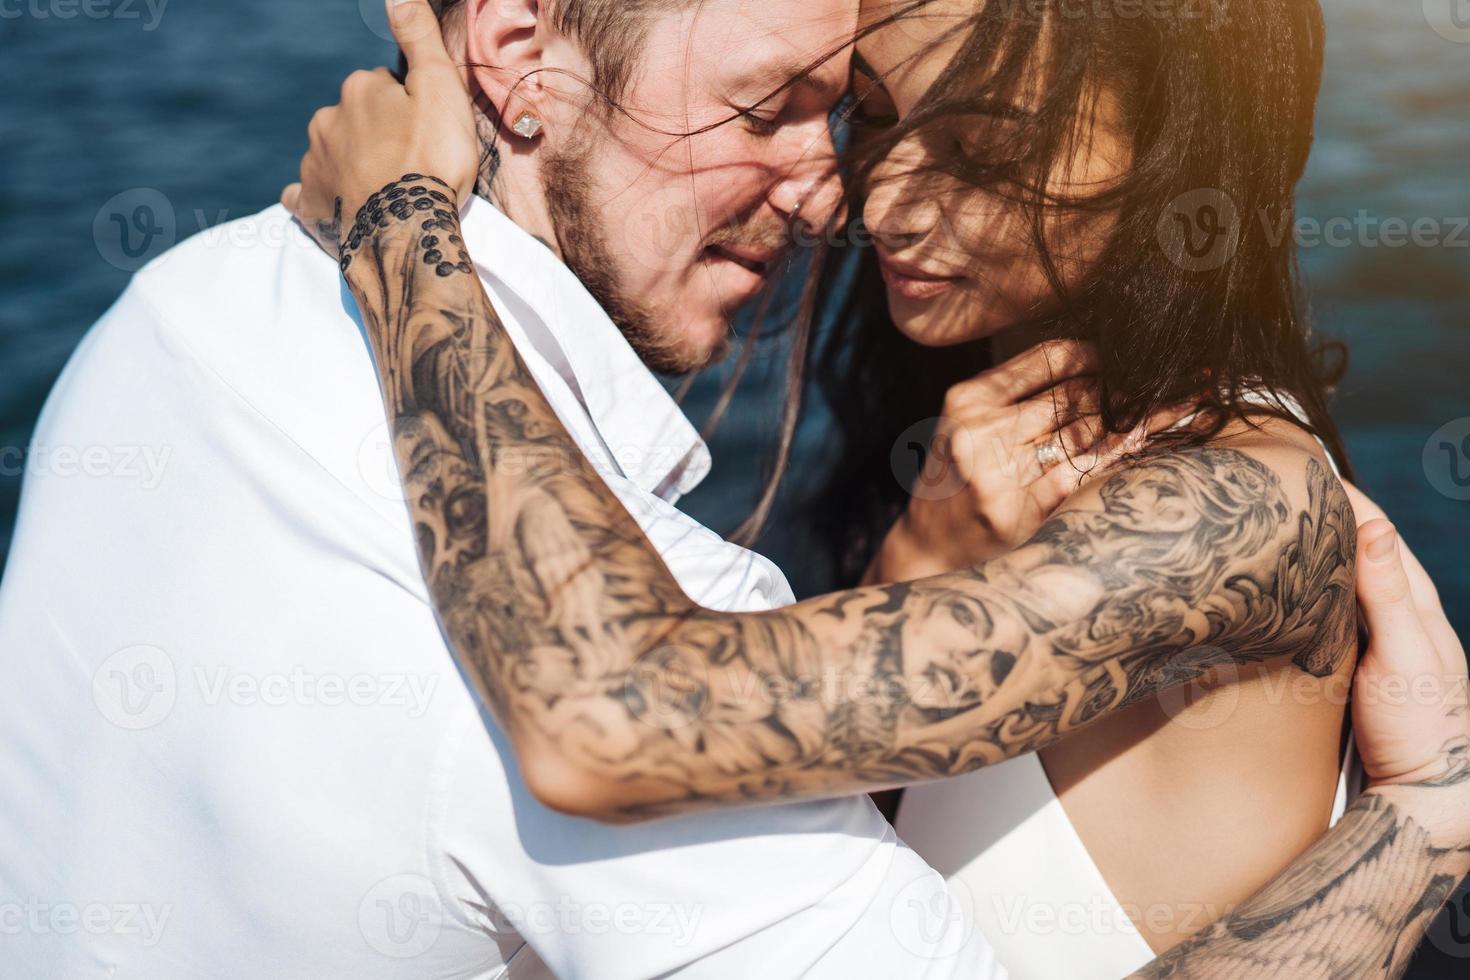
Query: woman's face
x,y
960,262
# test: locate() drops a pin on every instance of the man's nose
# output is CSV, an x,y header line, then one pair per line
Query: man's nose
x,y
809,192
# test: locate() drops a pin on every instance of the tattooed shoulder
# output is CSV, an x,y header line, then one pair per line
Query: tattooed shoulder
x,y
1207,548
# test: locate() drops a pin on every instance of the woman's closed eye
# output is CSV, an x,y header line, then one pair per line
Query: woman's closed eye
x,y
871,113
974,143
868,104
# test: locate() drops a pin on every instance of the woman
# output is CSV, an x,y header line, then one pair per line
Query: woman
x,y
1223,554
971,245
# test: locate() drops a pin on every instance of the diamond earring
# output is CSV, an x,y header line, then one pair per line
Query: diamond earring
x,y
526,125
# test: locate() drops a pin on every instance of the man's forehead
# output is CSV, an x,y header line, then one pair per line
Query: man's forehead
x,y
828,80
763,44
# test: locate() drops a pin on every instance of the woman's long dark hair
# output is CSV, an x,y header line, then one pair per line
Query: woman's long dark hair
x,y
1219,109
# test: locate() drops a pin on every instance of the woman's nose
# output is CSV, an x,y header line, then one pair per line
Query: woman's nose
x,y
894,214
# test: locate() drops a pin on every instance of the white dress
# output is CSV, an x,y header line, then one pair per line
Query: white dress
x,y
1002,838
1004,842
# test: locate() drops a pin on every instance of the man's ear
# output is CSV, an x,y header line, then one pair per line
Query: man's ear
x,y
504,42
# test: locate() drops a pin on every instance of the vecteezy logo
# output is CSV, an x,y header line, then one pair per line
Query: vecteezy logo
x,y
932,919
1450,19
376,463
134,227
1206,220
144,223
1201,692
401,916
1200,230
375,17
1447,459
668,688
135,688
925,459
1456,457
1450,930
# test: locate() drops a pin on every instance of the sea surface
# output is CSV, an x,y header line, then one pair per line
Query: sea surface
x,y
128,124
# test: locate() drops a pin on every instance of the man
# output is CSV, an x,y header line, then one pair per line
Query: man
x,y
239,744
671,234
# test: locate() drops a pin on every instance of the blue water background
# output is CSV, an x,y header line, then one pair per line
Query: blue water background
x,y
206,102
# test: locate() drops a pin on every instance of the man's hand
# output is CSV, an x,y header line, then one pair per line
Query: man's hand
x,y
383,129
1410,712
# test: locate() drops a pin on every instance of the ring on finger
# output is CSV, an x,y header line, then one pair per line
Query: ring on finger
x,y
1050,454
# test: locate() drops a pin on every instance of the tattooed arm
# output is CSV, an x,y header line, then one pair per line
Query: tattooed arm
x,y
484,563
627,700
1354,905
517,530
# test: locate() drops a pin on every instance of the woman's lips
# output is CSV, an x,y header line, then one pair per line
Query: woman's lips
x,y
911,282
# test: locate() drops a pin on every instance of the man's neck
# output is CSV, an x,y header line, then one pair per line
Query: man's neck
x,y
510,181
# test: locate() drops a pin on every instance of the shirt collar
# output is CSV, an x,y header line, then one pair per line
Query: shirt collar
x,y
650,439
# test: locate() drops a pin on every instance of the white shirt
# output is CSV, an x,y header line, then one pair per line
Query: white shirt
x,y
233,741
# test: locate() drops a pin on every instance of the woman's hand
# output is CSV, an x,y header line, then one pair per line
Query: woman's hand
x,y
987,482
382,130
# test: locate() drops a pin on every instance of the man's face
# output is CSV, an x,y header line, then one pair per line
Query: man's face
x,y
673,232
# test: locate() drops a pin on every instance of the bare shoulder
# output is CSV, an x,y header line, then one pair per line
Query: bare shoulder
x,y
1293,456
1254,538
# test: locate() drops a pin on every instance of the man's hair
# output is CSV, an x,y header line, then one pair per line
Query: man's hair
x,y
612,33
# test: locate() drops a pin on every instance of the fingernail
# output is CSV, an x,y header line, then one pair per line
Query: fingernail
x,y
1381,547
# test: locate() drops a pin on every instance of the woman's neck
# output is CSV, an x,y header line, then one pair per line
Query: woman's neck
x,y
1018,340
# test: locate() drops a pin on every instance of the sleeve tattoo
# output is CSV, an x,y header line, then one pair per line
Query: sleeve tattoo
x,y
583,644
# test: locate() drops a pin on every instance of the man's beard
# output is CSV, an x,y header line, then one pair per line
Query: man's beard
x,y
578,228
